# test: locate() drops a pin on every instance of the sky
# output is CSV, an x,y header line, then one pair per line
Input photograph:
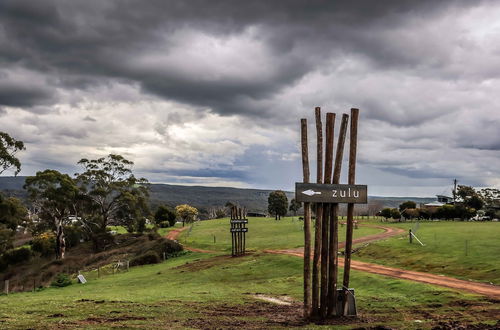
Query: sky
x,y
212,92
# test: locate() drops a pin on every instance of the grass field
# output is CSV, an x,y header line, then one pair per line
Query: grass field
x,y
263,233
467,250
213,290
203,290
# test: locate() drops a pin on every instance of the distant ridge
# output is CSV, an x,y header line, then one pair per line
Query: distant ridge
x,y
207,197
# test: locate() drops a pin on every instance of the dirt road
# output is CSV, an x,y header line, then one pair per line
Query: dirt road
x,y
174,234
388,232
488,290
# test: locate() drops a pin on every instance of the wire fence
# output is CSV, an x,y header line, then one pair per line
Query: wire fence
x,y
34,284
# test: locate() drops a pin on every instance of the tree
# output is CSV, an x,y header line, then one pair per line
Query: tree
x,y
112,192
386,213
295,206
277,204
164,213
12,214
186,212
53,194
132,210
407,205
470,197
411,213
395,214
9,147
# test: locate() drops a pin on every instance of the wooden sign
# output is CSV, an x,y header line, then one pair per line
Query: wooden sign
x,y
239,230
239,221
331,193
324,295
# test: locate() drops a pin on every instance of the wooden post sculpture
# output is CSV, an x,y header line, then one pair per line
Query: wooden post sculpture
x,y
238,231
322,297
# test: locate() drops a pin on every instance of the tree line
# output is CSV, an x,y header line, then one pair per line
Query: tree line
x,y
468,203
65,209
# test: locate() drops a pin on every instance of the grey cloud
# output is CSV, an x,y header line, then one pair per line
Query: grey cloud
x,y
16,95
396,60
77,41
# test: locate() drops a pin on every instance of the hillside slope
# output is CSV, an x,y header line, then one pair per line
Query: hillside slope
x,y
206,197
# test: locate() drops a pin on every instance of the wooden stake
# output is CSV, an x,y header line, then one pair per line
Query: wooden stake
x,y
319,217
307,221
353,136
334,238
330,122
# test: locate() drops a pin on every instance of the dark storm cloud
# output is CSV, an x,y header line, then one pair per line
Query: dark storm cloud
x,y
17,95
74,42
424,73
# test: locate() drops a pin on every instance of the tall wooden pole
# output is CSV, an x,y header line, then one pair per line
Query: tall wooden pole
x,y
319,216
307,222
330,125
334,238
353,136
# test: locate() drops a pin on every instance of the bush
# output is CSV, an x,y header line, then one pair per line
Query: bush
x,y
61,281
148,258
167,246
73,235
164,224
164,213
16,256
102,240
45,244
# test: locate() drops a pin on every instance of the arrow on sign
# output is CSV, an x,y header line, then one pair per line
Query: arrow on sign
x,y
311,192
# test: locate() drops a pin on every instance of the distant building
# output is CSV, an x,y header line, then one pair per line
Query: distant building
x,y
441,200
444,199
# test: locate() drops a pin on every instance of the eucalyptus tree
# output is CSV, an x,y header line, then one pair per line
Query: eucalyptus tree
x,y
112,192
277,204
9,147
12,214
53,195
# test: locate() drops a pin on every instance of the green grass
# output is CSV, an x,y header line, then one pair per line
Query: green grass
x,y
213,290
467,250
263,233
161,231
182,289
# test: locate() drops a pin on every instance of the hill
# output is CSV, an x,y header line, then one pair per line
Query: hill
x,y
206,197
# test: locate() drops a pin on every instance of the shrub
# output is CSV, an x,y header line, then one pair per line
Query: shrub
x,y
61,280
150,257
167,246
164,224
45,244
102,240
141,225
164,213
16,256
153,236
73,235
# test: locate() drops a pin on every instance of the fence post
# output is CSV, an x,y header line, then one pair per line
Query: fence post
x,y
128,265
34,284
411,237
164,256
6,287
